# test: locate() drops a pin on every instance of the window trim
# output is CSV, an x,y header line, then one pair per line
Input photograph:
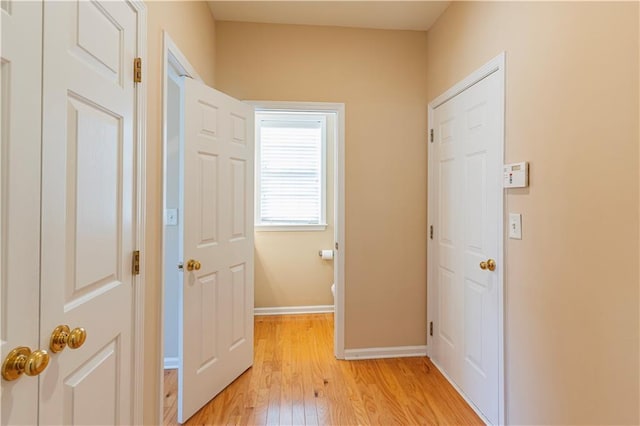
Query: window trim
x,y
290,228
267,114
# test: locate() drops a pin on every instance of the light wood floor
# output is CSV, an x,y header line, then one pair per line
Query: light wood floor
x,y
296,380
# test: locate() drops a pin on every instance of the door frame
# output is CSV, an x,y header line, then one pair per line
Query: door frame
x,y
339,202
172,57
494,66
140,164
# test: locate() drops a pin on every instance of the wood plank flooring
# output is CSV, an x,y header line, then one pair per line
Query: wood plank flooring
x,y
296,380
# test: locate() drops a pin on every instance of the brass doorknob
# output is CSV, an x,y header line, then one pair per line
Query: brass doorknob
x,y
489,264
193,264
22,360
62,337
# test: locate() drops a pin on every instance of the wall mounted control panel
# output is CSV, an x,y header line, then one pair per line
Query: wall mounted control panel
x,y
516,175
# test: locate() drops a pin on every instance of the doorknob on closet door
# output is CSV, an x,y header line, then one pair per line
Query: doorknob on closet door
x,y
22,360
489,264
62,337
193,264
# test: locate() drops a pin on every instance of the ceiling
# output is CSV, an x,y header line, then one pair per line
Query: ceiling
x,y
388,15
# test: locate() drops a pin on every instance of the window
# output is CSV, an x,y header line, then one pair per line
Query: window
x,y
290,171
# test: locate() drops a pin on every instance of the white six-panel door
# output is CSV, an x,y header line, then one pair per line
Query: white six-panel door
x,y
67,212
466,162
88,202
20,198
217,299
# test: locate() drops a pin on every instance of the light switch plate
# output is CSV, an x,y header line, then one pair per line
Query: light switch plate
x,y
515,226
171,217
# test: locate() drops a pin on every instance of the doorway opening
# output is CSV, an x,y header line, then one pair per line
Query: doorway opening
x,y
173,225
318,221
175,67
176,91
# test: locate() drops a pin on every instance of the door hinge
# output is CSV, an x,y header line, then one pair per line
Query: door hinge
x,y
431,135
431,232
431,328
135,263
137,70
336,246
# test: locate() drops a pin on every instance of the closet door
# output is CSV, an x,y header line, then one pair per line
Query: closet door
x,y
88,204
20,199
465,185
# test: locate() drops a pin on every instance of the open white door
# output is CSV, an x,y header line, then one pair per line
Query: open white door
x,y
217,295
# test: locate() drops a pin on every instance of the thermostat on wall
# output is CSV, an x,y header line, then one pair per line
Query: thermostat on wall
x,y
516,175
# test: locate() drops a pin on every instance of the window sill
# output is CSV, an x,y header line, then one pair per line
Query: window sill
x,y
290,228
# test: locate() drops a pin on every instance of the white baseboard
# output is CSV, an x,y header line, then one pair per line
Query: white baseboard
x,y
291,310
390,352
170,363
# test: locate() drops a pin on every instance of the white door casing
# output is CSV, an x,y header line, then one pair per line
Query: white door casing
x,y
89,209
466,210
175,65
20,198
217,300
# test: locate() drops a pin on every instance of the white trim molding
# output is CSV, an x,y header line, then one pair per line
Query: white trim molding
x,y
176,58
171,363
141,202
388,352
293,310
290,228
497,66
172,57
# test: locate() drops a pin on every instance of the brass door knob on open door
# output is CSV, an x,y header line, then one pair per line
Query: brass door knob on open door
x,y
62,337
22,361
193,264
489,264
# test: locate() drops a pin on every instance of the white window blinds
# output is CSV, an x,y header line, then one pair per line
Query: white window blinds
x,y
290,169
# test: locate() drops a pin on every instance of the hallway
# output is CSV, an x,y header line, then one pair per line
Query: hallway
x,y
295,380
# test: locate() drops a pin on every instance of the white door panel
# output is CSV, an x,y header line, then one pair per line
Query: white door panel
x,y
483,166
217,301
67,205
21,68
88,233
448,239
468,159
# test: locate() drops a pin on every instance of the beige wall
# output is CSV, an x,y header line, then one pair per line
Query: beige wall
x,y
381,78
288,270
572,282
192,28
